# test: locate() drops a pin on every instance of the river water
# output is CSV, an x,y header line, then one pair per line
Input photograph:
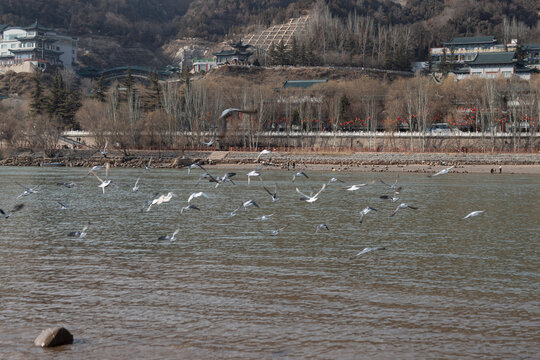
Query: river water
x,y
443,288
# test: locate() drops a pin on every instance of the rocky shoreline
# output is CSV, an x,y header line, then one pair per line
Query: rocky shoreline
x,y
361,161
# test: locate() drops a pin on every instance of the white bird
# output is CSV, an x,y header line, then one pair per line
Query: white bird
x,y
148,167
473,214
403,206
366,211
194,166
254,173
170,237
28,190
233,213
196,195
393,186
264,152
333,180
394,197
136,186
443,171
228,112
106,182
249,203
274,194
222,179
357,186
263,217
300,173
367,250
79,234
161,199
189,207
15,209
311,199
212,140
274,232
104,151
321,227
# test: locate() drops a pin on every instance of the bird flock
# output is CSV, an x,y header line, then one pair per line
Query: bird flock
x,y
195,201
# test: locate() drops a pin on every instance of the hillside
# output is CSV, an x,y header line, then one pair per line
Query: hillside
x,y
134,32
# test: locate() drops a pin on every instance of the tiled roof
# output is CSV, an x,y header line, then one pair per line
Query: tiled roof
x,y
471,40
493,58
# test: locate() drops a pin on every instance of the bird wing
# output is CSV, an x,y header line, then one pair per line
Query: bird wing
x,y
320,191
268,191
301,193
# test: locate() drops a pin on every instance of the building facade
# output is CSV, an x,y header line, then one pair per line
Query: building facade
x,y
203,64
239,54
501,64
23,49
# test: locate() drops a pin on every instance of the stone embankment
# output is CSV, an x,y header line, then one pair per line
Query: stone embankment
x,y
178,159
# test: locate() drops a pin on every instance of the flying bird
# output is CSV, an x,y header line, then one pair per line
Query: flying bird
x,y
194,166
320,227
104,151
189,207
169,237
367,250
274,232
212,140
366,211
264,152
443,171
333,180
160,200
62,205
300,173
196,195
106,182
403,206
272,194
28,190
79,233
249,203
473,214
136,186
357,186
148,167
16,208
254,173
263,217
313,198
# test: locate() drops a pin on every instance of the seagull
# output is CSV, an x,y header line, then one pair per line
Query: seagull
x,y
264,152
148,167
62,206
196,195
274,194
94,169
393,186
136,186
254,173
311,199
105,183
212,140
263,217
366,211
228,112
274,232
104,151
249,203
473,214
68,185
366,250
300,173
333,180
161,199
194,166
403,206
15,209
79,234
28,190
321,227
189,207
233,213
443,171
394,197
357,186
169,237
207,176
223,179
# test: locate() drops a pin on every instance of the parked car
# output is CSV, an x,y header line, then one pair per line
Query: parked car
x,y
440,128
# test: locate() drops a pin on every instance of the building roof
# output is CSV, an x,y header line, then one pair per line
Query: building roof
x,y
302,83
531,47
3,27
36,26
493,58
471,40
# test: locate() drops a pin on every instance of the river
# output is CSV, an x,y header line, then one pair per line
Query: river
x,y
443,287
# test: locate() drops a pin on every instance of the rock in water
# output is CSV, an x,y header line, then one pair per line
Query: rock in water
x,y
54,337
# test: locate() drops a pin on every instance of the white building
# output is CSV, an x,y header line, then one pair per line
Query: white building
x,y
203,65
23,49
502,64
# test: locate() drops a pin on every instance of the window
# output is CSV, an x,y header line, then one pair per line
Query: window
x,y
4,46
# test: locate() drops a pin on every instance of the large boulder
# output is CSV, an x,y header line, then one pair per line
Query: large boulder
x,y
54,337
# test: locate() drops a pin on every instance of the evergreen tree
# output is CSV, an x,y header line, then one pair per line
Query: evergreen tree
x,y
272,54
56,103
281,54
303,55
99,89
155,98
294,54
39,100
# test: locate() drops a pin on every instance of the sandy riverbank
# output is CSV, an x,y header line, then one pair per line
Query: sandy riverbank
x,y
510,163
